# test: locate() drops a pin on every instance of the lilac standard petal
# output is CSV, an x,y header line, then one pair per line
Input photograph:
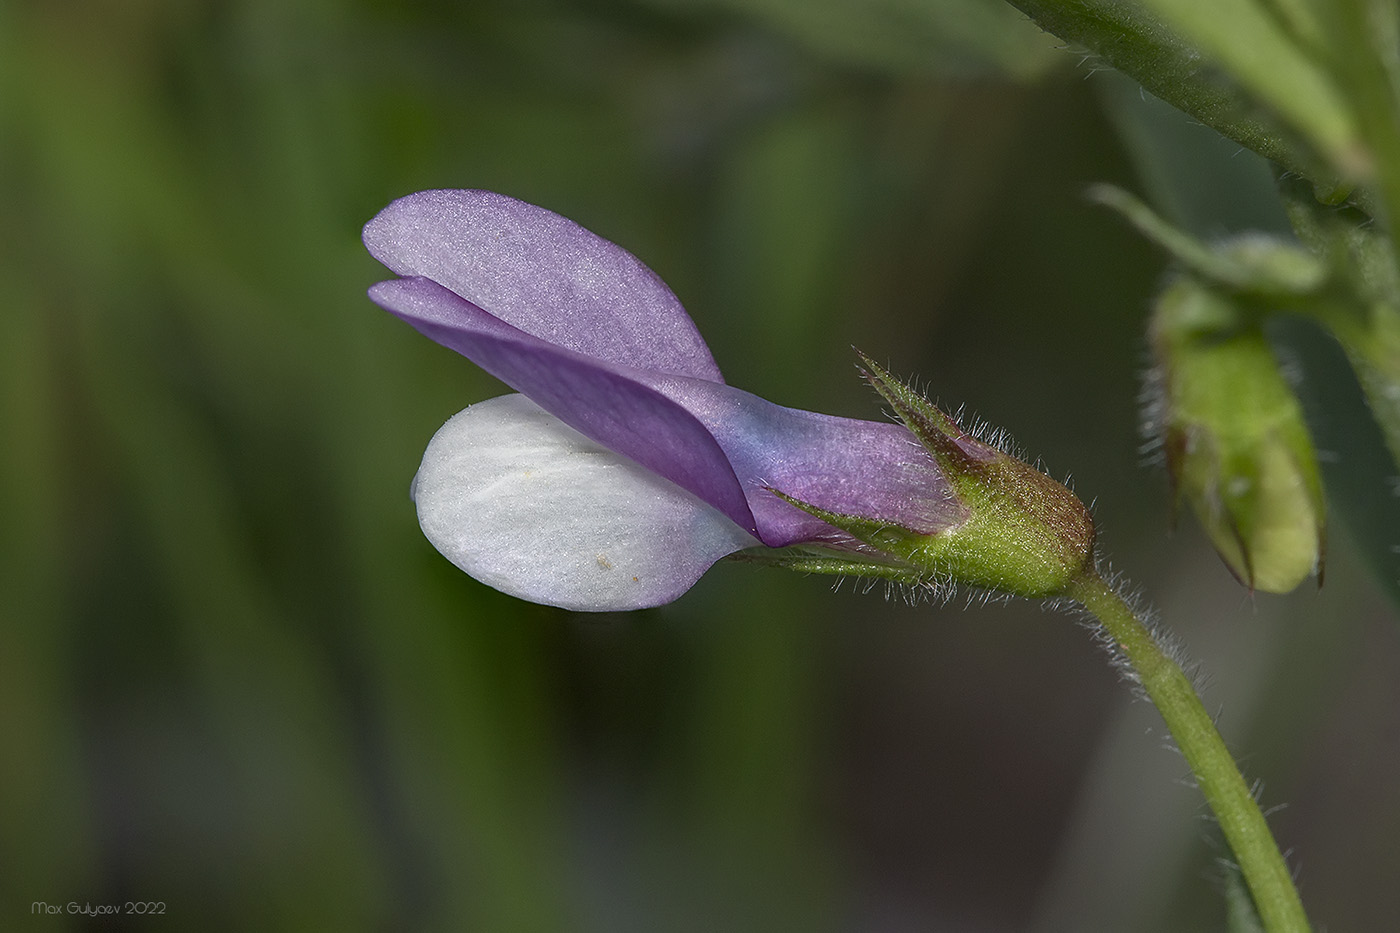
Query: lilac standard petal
x,y
526,504
721,443
543,274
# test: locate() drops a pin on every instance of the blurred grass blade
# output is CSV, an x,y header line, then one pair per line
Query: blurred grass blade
x,y
907,36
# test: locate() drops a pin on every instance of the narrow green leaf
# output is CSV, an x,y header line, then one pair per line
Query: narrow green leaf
x,y
1255,49
1171,68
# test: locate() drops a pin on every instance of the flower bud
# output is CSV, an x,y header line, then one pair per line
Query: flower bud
x,y
1234,437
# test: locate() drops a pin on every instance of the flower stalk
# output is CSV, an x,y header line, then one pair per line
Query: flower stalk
x,y
1167,686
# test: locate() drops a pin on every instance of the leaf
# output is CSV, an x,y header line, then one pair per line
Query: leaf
x,y
1258,53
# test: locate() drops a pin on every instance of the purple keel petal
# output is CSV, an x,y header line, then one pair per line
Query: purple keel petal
x,y
543,274
841,465
721,443
590,396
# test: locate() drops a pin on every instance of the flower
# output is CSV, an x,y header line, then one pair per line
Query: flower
x,y
626,466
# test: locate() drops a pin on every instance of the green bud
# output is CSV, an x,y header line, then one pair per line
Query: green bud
x,y
1235,441
1026,534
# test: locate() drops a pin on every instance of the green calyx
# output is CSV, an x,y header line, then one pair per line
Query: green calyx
x,y
1026,534
871,564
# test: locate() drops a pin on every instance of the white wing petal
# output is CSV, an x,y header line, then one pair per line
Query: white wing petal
x,y
526,504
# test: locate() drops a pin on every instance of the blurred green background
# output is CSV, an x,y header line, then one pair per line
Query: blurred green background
x,y
235,679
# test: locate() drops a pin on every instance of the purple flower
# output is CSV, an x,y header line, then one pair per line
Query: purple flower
x,y
626,466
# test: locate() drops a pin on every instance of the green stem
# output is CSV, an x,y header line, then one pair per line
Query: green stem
x,y
1225,791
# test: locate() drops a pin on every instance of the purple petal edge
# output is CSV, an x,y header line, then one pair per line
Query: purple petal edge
x,y
544,274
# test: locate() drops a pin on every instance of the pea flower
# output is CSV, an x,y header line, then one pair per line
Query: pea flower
x,y
626,466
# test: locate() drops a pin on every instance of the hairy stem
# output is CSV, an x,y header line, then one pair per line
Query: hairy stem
x,y
1191,726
